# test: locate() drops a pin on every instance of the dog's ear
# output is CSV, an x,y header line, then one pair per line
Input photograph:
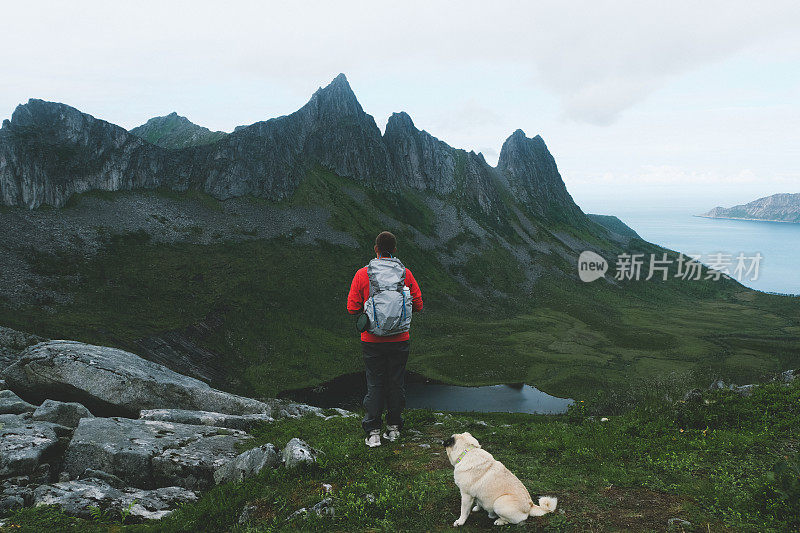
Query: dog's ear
x,y
448,442
467,436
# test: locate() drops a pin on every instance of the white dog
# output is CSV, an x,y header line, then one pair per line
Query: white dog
x,y
490,485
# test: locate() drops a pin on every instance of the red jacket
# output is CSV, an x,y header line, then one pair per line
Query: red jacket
x,y
359,292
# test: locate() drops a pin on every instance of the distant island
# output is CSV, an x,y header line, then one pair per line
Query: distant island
x,y
776,208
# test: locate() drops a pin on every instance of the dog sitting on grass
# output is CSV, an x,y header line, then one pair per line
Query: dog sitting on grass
x,y
488,484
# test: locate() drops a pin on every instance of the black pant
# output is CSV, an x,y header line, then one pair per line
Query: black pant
x,y
386,372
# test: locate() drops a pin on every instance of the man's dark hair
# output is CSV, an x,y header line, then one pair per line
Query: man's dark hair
x,y
386,242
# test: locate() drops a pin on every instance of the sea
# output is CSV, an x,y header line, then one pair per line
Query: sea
x,y
678,229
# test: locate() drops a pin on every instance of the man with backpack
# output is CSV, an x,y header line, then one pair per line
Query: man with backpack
x,y
384,294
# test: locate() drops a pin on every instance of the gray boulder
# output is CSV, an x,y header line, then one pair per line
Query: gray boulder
x,y
148,453
678,524
205,418
12,342
788,376
297,452
323,507
112,381
744,390
110,479
14,496
25,445
11,404
10,503
78,497
63,413
719,385
248,464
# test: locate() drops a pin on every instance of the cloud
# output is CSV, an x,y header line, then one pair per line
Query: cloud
x,y
613,55
598,58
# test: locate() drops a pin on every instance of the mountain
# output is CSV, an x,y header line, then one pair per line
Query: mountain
x,y
175,131
776,208
230,261
49,151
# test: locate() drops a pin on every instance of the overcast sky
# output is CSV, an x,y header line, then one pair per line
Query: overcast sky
x,y
692,102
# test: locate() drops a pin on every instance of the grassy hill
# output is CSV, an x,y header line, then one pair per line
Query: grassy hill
x,y
175,131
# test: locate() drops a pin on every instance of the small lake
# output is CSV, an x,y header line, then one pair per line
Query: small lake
x,y
348,391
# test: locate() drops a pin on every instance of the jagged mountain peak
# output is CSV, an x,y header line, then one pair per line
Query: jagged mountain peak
x,y
267,159
37,112
532,174
400,120
61,123
519,139
336,97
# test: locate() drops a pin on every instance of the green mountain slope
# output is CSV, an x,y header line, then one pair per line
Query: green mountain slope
x,y
263,312
175,131
614,225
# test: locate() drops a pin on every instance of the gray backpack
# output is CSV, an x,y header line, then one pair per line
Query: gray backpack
x,y
389,304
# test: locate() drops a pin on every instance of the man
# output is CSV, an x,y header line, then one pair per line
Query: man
x,y
386,292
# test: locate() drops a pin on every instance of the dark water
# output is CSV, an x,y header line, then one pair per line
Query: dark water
x,y
348,392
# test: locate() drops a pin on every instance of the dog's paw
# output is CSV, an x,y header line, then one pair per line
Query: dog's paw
x,y
458,523
500,522
476,509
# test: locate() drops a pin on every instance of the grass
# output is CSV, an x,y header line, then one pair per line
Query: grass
x,y
723,463
281,330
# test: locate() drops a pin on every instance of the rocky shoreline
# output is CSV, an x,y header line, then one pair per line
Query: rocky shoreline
x,y
89,427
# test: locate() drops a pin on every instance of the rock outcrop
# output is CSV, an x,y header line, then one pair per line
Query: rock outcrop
x,y
298,452
11,404
66,414
78,497
248,464
25,445
12,343
205,418
59,453
112,381
149,454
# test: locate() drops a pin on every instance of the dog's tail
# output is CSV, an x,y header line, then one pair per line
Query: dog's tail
x,y
547,504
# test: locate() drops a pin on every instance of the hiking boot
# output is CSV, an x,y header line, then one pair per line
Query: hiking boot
x,y
392,433
374,438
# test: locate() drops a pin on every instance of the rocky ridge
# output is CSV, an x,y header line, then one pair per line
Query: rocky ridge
x,y
50,151
138,446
